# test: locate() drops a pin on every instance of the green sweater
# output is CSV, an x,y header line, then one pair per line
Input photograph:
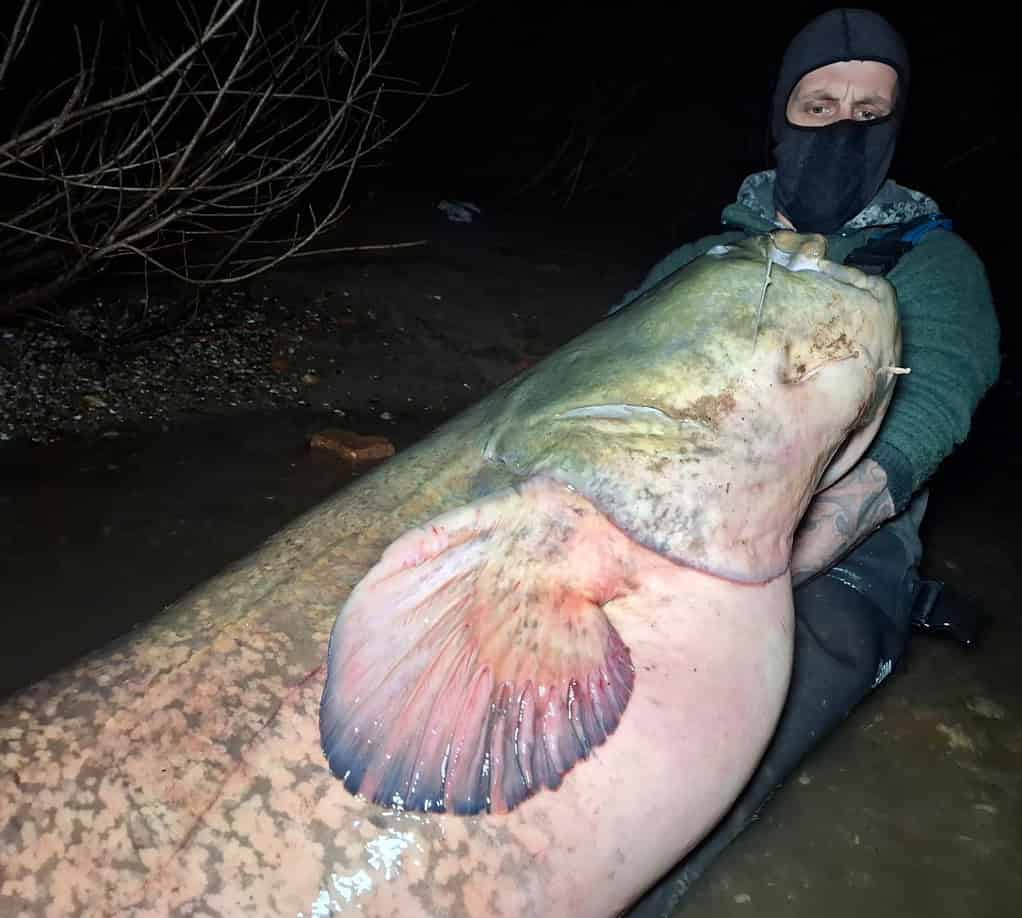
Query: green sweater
x,y
950,340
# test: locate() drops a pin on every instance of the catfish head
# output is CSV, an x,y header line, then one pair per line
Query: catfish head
x,y
702,418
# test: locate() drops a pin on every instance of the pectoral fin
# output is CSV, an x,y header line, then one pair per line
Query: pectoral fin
x,y
474,664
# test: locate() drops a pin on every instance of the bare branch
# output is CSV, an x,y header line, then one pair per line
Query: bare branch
x,y
201,148
88,112
19,35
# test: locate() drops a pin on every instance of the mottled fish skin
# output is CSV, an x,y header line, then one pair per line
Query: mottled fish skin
x,y
179,771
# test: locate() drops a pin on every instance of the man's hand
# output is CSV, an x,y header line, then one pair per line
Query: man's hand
x,y
839,518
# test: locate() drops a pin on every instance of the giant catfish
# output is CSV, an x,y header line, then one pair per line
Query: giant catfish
x,y
563,637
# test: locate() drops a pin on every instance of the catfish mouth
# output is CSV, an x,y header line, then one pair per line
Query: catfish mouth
x,y
624,412
619,415
614,412
705,412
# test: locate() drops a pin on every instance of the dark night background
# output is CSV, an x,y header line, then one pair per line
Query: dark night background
x,y
672,101
680,96
675,98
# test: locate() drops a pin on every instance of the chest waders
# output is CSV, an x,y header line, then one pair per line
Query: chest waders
x,y
852,628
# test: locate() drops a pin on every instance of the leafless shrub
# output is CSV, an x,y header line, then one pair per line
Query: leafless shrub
x,y
198,162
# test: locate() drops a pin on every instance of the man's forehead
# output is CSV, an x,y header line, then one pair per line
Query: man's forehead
x,y
860,78
836,90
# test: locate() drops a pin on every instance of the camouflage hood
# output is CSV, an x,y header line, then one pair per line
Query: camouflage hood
x,y
892,204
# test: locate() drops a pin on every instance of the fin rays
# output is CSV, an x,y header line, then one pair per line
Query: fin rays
x,y
474,665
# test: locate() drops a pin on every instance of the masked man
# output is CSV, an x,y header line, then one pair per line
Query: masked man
x,y
838,106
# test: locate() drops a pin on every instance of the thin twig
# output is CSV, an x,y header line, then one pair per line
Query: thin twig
x,y
19,34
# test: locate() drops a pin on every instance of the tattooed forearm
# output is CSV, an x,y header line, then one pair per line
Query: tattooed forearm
x,y
839,518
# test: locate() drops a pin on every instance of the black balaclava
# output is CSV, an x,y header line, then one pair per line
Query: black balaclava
x,y
827,175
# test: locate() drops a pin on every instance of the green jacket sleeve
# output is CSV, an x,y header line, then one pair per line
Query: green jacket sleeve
x,y
674,262
950,341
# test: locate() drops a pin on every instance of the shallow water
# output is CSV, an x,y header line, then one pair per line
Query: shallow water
x,y
102,534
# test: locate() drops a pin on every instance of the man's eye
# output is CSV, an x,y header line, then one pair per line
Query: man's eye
x,y
867,115
819,109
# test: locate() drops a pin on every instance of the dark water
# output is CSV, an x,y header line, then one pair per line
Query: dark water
x,y
99,535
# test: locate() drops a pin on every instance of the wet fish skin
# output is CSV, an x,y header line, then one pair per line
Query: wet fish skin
x,y
180,769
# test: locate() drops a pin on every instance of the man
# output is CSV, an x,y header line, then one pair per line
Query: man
x,y
839,103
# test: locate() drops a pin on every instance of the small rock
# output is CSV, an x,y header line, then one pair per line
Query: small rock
x,y
279,364
352,447
93,401
743,898
310,378
525,362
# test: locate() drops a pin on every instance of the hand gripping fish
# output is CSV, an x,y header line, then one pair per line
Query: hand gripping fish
x,y
564,637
